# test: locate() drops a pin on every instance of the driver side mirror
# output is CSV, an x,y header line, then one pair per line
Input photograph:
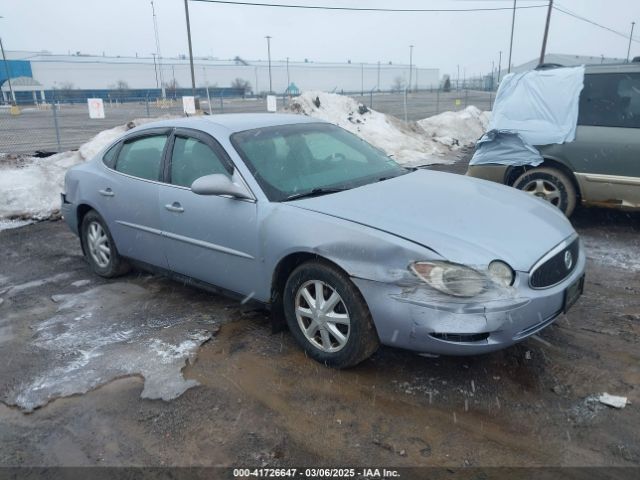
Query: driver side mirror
x,y
218,184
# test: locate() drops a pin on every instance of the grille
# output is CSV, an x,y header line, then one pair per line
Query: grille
x,y
555,269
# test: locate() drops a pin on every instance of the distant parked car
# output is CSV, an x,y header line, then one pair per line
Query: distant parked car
x,y
328,232
601,167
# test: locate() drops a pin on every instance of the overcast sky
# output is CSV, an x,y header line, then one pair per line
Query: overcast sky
x,y
442,40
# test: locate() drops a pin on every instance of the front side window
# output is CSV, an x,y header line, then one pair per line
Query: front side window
x,y
142,157
192,159
610,100
289,160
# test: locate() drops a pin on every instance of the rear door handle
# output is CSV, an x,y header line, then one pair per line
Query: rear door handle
x,y
107,192
174,207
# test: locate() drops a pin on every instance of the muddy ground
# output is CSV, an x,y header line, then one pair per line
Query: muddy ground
x,y
260,402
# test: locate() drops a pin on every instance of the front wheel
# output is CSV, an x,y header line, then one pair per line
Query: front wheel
x,y
550,185
99,247
328,316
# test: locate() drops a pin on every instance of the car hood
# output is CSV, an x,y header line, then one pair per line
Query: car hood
x,y
465,220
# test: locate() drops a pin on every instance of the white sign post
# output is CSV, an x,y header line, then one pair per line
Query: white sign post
x,y
271,103
96,107
189,105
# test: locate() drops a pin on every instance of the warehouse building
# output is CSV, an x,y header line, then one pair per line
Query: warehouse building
x,y
101,73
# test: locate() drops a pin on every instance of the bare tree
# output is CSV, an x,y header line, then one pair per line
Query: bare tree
x,y
398,84
446,87
241,83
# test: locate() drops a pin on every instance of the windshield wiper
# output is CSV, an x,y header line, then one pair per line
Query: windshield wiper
x,y
316,192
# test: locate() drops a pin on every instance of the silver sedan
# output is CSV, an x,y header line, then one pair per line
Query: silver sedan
x,y
347,247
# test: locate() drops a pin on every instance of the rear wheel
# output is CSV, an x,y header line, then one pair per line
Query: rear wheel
x,y
328,316
99,247
551,185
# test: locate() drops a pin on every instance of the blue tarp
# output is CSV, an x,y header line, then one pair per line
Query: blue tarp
x,y
538,107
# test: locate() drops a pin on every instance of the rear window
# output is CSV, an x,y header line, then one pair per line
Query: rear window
x,y
142,157
610,100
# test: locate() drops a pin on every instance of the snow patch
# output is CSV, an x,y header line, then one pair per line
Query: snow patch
x,y
96,336
406,142
30,188
457,129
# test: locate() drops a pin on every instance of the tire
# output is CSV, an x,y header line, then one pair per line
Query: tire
x,y
551,185
359,338
109,263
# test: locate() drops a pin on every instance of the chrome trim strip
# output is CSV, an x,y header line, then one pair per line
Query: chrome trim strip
x,y
600,178
192,241
208,245
141,227
554,251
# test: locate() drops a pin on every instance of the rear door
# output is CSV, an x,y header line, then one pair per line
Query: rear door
x,y
606,152
211,238
130,196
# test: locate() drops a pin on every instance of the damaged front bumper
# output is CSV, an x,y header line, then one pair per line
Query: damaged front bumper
x,y
415,318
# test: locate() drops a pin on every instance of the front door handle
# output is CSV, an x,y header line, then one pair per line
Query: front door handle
x,y
107,192
174,207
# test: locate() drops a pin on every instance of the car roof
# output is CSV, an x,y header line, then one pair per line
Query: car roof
x,y
230,123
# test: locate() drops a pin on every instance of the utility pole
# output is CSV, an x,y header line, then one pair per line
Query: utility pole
x,y
458,79
499,67
193,75
378,85
513,23
633,24
269,56
6,67
155,67
288,78
362,79
410,65
493,69
546,33
155,29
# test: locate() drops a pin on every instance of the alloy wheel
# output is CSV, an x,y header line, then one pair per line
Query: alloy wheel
x,y
322,316
98,243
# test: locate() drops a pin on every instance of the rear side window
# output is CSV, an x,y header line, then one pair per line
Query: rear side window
x,y
610,100
192,159
142,157
109,158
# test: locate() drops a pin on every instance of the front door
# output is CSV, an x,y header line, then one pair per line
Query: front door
x,y
210,238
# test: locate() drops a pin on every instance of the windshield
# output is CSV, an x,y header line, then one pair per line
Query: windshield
x,y
293,160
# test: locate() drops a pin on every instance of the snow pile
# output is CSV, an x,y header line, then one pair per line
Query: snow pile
x,y
406,142
457,129
30,187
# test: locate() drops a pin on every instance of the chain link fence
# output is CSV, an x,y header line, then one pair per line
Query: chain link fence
x,y
59,126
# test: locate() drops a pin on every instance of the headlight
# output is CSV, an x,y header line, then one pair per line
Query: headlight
x,y
501,273
450,278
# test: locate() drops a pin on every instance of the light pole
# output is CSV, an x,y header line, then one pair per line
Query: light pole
x,y
546,32
155,30
633,24
155,67
410,65
513,23
499,67
193,75
268,37
378,85
6,67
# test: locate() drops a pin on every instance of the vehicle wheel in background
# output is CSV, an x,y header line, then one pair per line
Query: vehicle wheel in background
x,y
328,316
551,185
99,247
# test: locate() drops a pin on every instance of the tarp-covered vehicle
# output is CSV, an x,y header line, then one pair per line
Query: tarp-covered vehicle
x,y
567,135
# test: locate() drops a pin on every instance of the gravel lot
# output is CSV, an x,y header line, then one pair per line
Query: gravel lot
x,y
92,359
